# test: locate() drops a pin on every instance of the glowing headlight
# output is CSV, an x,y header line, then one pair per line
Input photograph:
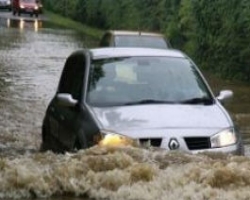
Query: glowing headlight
x,y
112,139
224,138
21,6
36,7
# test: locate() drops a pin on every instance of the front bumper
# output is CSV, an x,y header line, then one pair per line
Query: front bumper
x,y
180,144
237,149
5,6
29,10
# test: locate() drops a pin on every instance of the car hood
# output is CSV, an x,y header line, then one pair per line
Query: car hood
x,y
143,117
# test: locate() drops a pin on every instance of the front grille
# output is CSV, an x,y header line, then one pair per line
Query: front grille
x,y
197,143
155,142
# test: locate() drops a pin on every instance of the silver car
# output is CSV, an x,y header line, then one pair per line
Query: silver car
x,y
5,4
148,97
124,38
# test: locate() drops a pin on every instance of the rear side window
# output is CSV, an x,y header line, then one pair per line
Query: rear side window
x,y
72,78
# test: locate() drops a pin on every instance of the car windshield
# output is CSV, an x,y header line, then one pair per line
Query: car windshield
x,y
28,1
140,41
145,80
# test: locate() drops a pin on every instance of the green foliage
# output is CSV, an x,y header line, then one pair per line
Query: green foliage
x,y
214,33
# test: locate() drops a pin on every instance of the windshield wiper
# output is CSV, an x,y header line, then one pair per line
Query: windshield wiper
x,y
149,101
198,100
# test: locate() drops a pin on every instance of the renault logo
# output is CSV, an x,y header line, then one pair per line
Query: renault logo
x,y
173,144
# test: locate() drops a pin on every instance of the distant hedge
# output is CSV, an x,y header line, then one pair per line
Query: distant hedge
x,y
215,33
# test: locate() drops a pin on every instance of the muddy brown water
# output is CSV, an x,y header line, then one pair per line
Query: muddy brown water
x,y
32,54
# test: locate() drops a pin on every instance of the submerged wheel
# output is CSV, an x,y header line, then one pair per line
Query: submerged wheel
x,y
46,141
80,141
49,142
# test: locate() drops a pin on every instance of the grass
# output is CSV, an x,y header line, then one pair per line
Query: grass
x,y
71,24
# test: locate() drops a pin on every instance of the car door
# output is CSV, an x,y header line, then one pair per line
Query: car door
x,y
63,121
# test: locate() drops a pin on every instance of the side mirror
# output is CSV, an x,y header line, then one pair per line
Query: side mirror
x,y
225,95
66,99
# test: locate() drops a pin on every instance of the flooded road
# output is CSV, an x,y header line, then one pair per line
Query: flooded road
x,y
32,54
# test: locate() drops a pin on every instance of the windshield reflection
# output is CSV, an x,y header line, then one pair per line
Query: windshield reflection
x,y
136,80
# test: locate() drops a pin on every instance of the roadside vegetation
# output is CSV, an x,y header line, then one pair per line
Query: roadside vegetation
x,y
66,22
214,33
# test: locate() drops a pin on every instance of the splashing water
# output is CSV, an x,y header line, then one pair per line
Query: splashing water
x,y
30,65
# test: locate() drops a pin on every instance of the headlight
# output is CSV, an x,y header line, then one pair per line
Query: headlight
x,y
36,7
113,139
21,6
224,138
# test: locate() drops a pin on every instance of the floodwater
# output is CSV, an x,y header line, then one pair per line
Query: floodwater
x,y
32,54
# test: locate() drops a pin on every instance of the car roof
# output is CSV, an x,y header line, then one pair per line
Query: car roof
x,y
110,52
124,32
